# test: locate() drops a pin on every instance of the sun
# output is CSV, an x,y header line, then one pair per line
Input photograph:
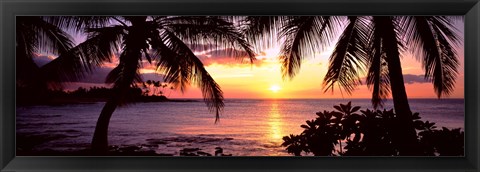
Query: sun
x,y
275,88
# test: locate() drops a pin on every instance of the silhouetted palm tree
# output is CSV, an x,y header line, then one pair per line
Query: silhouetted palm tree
x,y
156,85
170,92
37,34
166,41
43,35
149,83
373,44
34,35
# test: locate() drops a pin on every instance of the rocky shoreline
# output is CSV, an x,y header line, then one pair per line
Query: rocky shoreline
x,y
123,150
27,145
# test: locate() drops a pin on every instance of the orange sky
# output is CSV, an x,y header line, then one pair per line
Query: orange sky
x,y
242,80
255,81
239,80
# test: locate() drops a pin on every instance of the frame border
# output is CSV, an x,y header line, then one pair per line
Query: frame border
x,y
11,8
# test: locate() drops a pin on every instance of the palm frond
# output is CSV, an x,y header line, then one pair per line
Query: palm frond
x,y
79,23
418,34
202,30
35,35
262,30
386,46
431,40
446,26
175,71
303,36
53,39
377,76
125,75
49,38
26,47
349,57
191,68
100,46
446,66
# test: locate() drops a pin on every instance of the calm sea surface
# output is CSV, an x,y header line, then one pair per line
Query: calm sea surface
x,y
246,128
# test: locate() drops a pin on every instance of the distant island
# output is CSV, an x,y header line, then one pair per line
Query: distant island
x,y
84,95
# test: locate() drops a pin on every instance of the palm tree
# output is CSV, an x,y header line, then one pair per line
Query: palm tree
x,y
37,34
170,92
166,41
34,34
370,44
149,83
163,88
156,85
43,35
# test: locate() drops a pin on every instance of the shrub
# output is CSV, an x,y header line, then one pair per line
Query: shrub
x,y
368,132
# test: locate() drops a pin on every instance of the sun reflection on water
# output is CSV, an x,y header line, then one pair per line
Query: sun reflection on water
x,y
275,121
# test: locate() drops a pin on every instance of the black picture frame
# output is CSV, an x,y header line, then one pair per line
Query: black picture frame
x,y
11,8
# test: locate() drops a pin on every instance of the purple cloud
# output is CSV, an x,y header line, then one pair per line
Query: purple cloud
x,y
98,74
407,79
411,79
229,57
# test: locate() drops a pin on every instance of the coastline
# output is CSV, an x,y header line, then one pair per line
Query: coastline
x,y
26,147
171,127
90,100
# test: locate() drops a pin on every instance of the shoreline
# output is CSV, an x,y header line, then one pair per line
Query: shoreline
x,y
154,120
123,150
88,100
58,101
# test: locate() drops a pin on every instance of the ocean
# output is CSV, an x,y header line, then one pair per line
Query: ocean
x,y
247,127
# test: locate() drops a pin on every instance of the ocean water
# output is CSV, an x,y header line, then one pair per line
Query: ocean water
x,y
246,127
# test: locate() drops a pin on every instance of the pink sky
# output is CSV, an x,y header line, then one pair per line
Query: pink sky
x,y
239,80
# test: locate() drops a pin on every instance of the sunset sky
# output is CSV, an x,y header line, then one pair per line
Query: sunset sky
x,y
263,78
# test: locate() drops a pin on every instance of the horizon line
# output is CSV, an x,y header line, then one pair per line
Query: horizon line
x,y
449,98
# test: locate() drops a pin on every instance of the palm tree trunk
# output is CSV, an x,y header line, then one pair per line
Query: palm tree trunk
x,y
100,136
405,134
129,66
407,137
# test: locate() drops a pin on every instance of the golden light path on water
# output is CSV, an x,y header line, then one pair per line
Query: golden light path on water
x,y
275,121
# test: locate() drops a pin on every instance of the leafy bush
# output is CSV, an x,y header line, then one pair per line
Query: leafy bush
x,y
369,132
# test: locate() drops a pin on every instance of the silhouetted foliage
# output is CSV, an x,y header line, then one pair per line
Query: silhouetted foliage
x,y
155,88
369,133
372,45
27,96
295,144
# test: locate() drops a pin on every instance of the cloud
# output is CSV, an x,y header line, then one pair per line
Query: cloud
x,y
407,79
99,74
411,79
202,47
229,57
209,56
41,60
